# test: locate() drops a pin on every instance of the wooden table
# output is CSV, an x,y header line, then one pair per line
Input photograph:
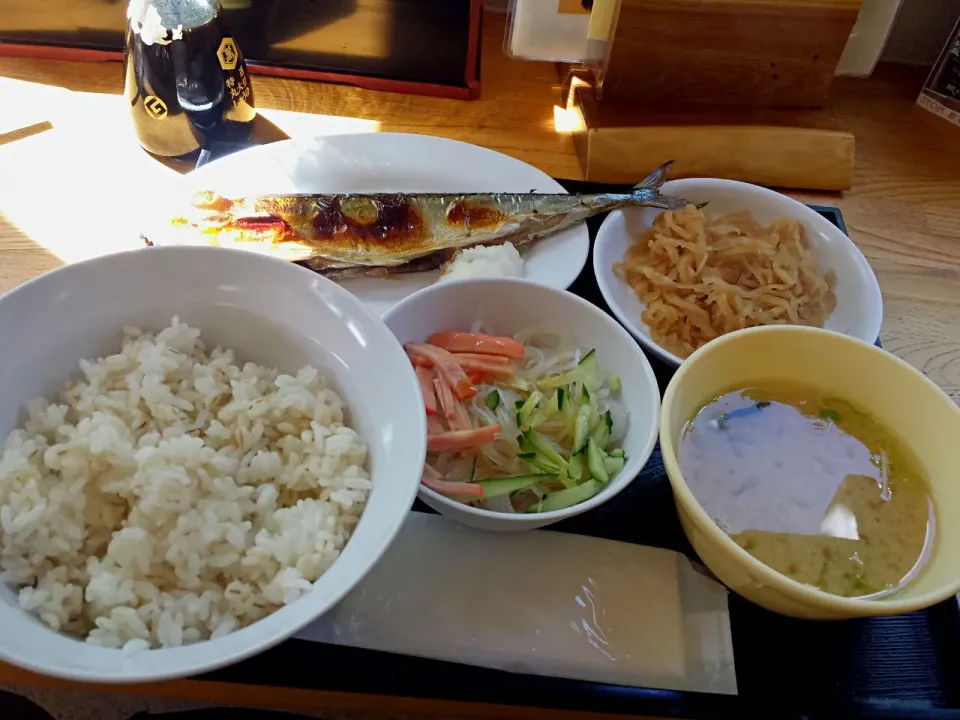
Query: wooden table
x,y
71,169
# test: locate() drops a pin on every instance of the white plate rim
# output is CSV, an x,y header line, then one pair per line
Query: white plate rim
x,y
868,330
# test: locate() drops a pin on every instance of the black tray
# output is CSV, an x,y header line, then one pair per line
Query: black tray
x,y
894,667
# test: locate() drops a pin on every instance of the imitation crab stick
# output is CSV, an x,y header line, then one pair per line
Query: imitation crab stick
x,y
446,365
436,482
425,376
450,406
471,366
477,357
462,439
463,418
500,371
463,342
434,425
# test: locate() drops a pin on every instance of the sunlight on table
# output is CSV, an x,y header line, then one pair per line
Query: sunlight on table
x,y
26,103
303,125
85,188
568,120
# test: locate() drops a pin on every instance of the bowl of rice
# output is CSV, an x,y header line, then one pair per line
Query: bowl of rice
x,y
205,450
749,256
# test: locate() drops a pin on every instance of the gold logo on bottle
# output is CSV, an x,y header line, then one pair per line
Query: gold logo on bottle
x,y
155,107
228,54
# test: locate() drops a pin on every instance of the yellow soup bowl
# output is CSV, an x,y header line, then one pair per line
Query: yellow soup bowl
x,y
899,396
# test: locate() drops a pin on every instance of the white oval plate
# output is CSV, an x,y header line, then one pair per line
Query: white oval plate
x,y
397,162
859,310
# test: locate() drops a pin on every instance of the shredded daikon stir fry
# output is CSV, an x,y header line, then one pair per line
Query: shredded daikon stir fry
x,y
700,278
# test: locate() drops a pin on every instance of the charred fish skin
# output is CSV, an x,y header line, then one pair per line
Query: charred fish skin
x,y
349,235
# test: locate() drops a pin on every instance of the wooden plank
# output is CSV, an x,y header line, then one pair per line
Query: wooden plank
x,y
765,155
768,146
734,52
328,702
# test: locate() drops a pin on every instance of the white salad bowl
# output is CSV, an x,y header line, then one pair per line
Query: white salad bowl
x,y
269,312
508,306
859,310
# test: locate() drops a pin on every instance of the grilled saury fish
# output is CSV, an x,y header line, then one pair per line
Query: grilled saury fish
x,y
352,235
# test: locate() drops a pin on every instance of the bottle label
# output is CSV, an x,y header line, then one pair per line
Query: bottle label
x,y
238,84
155,107
228,53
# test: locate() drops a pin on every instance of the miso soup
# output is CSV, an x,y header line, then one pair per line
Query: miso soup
x,y
812,486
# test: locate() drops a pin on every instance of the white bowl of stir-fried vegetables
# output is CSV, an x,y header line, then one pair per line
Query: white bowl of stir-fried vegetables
x,y
539,405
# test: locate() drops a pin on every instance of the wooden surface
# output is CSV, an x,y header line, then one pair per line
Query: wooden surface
x,y
779,156
334,703
70,168
806,149
732,52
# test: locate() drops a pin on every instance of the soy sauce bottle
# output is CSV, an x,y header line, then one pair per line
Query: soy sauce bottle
x,y
185,78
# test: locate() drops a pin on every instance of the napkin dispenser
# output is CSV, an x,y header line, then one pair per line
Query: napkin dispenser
x,y
429,47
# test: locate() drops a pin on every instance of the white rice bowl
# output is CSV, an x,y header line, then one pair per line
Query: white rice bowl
x,y
271,313
171,496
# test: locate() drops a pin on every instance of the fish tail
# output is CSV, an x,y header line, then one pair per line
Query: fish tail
x,y
654,180
647,191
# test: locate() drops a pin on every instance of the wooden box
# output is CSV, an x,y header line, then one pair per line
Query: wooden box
x,y
769,53
727,88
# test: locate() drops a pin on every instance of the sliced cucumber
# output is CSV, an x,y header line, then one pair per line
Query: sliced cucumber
x,y
570,411
518,384
588,370
547,468
613,465
536,459
585,373
602,434
492,400
618,452
504,486
545,412
529,405
593,417
562,398
574,470
581,429
613,382
567,497
544,449
595,462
